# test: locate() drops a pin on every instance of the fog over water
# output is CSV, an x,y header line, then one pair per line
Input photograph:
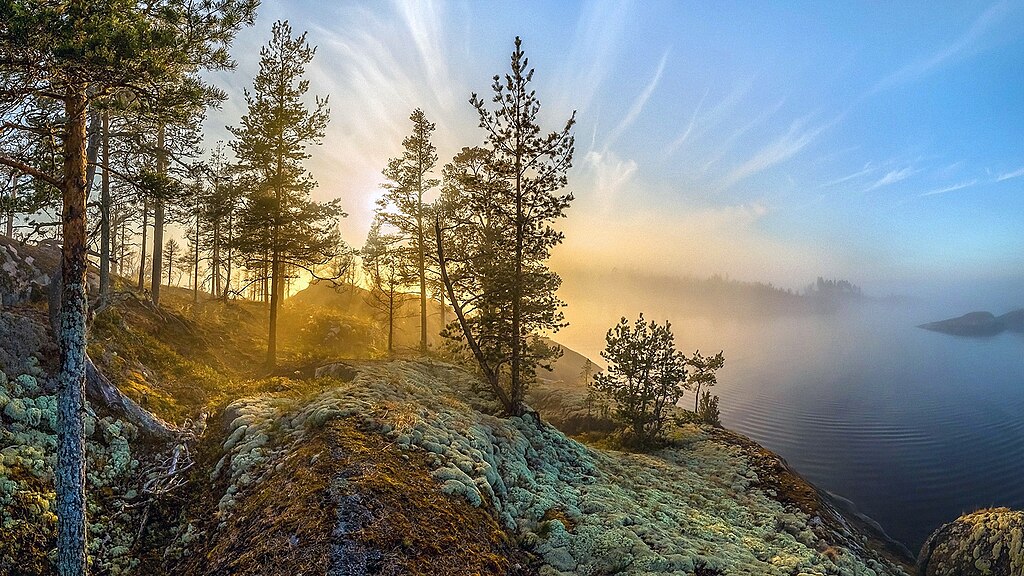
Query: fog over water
x,y
914,427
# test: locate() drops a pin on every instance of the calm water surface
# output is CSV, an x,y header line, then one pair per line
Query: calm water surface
x,y
914,427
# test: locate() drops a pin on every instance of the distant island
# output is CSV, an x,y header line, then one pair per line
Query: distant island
x,y
979,324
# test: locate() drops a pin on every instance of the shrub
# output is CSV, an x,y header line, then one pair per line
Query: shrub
x,y
646,376
707,410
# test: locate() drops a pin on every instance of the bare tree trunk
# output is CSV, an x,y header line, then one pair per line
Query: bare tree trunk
x,y
489,373
274,303
516,386
70,470
13,198
227,276
264,287
105,211
121,247
195,262
158,219
391,320
170,265
216,260
142,248
422,256
444,312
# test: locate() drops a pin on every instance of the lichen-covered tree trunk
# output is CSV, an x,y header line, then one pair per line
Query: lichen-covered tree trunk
x,y
70,470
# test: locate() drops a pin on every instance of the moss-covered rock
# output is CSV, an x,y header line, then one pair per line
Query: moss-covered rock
x,y
987,542
28,446
582,511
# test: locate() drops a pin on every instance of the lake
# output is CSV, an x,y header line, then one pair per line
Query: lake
x,y
914,427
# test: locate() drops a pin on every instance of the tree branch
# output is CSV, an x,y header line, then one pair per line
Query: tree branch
x,y
33,172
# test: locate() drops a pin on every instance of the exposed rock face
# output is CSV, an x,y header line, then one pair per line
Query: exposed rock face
x,y
989,542
22,274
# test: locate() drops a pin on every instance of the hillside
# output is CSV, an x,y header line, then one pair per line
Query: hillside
x,y
377,466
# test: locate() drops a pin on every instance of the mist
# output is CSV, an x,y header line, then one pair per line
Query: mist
x,y
847,388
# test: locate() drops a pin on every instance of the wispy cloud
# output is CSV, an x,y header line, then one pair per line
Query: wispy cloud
x,y
699,123
892,177
778,151
425,22
638,104
952,188
723,149
599,30
868,169
610,176
675,144
961,46
1011,175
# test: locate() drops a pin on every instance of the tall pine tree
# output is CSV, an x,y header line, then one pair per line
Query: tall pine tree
x,y
404,206
500,205
279,226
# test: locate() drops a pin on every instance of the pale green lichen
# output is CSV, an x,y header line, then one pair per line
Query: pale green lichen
x,y
670,512
28,423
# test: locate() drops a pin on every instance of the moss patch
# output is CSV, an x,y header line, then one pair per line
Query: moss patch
x,y
340,495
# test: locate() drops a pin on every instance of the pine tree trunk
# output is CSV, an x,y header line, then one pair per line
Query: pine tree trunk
x,y
391,321
444,312
70,470
158,219
142,249
516,387
105,211
275,280
422,249
216,260
13,199
195,285
227,275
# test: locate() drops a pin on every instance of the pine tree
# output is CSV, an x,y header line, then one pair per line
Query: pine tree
x,y
171,249
404,207
279,224
218,208
703,374
388,272
509,202
646,376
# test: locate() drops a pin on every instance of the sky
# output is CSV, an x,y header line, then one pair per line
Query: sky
x,y
777,142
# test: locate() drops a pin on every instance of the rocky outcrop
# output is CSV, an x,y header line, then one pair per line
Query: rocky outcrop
x,y
988,542
970,324
25,270
979,324
1013,321
707,504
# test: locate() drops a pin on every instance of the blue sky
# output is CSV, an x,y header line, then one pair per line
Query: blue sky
x,y
881,142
